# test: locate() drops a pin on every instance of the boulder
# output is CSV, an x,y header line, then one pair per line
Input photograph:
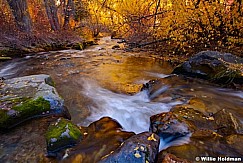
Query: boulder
x,y
168,158
100,139
226,123
230,146
179,122
5,58
168,126
62,134
29,97
218,134
184,119
116,47
214,66
141,148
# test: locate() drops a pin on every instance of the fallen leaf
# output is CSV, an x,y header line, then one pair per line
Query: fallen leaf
x,y
151,138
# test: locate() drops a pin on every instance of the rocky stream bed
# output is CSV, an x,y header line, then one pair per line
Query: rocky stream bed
x,y
104,104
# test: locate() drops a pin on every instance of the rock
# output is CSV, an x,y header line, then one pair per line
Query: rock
x,y
213,66
168,126
180,121
193,118
5,58
116,47
214,135
169,158
29,97
230,146
235,142
226,123
62,134
139,148
121,41
170,87
78,46
15,115
100,139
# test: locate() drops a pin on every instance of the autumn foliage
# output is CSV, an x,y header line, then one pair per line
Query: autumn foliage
x,y
178,26
172,27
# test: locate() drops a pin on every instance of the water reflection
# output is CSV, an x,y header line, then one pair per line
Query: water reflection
x,y
100,81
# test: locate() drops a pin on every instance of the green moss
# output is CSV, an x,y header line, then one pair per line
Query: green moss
x,y
78,46
62,134
33,107
3,117
227,75
5,58
19,113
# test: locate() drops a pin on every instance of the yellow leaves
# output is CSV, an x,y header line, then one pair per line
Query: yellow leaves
x,y
152,138
137,155
135,149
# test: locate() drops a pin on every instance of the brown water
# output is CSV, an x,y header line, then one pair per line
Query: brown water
x,y
100,81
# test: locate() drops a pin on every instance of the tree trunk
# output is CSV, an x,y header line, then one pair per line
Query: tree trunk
x,y
51,10
156,11
68,12
21,14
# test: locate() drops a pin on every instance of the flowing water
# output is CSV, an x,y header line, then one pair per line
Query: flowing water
x,y
100,81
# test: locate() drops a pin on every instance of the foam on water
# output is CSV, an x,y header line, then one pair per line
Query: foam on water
x,y
8,70
158,75
132,112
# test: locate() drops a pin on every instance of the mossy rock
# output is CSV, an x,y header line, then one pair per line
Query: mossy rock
x,y
62,134
213,66
99,139
26,110
78,46
5,58
29,97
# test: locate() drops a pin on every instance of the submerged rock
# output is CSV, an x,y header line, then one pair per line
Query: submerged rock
x,y
5,58
226,123
101,138
116,47
214,66
62,134
218,134
168,126
141,148
216,146
169,158
24,111
28,97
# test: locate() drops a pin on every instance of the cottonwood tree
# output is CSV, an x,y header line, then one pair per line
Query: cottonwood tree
x,y
69,10
21,14
51,10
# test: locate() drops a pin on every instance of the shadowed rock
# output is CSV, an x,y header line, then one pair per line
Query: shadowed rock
x,y
167,125
62,134
100,139
213,66
28,97
139,148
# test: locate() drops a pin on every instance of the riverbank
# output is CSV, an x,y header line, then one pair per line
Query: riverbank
x,y
101,87
18,44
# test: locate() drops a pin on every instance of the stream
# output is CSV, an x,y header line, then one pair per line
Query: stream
x,y
101,81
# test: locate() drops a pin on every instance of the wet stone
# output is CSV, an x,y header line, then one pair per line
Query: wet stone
x,y
218,134
101,138
166,125
29,97
62,134
226,123
141,148
222,68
